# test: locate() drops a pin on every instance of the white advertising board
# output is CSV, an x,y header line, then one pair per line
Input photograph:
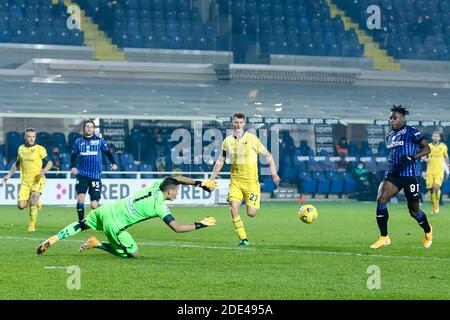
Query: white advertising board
x,y
62,192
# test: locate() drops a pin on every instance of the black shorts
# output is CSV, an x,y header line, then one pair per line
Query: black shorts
x,y
410,186
94,186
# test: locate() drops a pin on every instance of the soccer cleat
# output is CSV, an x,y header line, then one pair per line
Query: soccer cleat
x,y
243,243
382,242
43,247
90,243
428,238
31,227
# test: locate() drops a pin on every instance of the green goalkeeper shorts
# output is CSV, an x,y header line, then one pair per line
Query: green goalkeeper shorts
x,y
118,238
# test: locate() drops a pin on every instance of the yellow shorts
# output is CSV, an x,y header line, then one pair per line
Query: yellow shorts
x,y
251,192
434,178
29,186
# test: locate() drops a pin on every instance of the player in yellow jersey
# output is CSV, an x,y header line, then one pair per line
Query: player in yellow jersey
x,y
30,157
242,148
435,170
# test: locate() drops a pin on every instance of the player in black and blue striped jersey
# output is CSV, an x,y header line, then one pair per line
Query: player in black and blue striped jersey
x,y
406,146
88,151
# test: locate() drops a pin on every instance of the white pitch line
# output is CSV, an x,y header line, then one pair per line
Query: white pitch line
x,y
198,246
54,267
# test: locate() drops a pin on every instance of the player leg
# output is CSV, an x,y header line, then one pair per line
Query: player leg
x,y
95,188
81,186
121,245
411,194
252,196
438,179
24,198
66,232
24,195
235,197
22,204
34,199
386,191
94,221
36,191
430,184
431,181
437,194
120,242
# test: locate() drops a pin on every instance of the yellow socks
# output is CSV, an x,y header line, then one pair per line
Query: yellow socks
x,y
33,216
435,196
239,227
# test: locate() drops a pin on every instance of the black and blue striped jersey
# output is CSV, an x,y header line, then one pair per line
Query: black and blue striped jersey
x,y
399,143
89,153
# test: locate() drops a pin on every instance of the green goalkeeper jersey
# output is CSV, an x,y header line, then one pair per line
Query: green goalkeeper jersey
x,y
145,204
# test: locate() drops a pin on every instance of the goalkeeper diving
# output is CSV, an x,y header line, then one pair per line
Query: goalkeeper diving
x,y
114,218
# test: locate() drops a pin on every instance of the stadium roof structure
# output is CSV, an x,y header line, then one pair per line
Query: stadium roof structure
x,y
58,89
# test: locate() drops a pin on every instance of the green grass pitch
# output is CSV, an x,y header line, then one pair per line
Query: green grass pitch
x,y
287,260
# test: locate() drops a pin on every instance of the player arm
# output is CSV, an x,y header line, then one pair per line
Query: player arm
x,y
207,185
219,165
107,150
14,168
184,180
48,165
424,149
186,227
272,165
110,157
446,156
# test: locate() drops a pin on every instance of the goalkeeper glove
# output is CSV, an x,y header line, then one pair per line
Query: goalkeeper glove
x,y
207,185
205,222
407,159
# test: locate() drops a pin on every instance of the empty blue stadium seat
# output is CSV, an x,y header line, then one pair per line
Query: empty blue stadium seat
x,y
336,183
349,183
126,159
306,184
130,167
58,137
145,168
13,137
323,184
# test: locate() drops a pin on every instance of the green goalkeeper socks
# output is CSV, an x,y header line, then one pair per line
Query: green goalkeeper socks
x,y
71,230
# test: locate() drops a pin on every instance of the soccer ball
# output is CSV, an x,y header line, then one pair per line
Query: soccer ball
x,y
308,213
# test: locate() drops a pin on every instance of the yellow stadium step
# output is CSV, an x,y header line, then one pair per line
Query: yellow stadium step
x,y
97,39
380,57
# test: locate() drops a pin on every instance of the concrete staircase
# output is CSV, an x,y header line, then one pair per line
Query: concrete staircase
x,y
380,57
104,49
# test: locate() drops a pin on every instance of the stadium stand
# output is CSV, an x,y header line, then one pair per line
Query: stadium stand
x,y
300,27
170,24
295,27
410,29
38,22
